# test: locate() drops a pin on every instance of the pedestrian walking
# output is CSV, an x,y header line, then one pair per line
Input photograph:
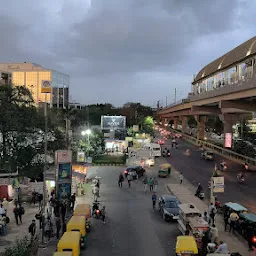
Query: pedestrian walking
x,y
58,227
16,214
154,197
226,219
40,201
145,182
120,180
233,220
155,183
181,178
206,217
32,229
215,233
21,211
72,201
103,214
150,183
129,179
95,192
34,195
212,212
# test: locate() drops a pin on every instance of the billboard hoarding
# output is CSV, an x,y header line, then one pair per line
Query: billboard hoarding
x,y
113,122
64,191
80,156
63,156
218,184
64,172
46,86
135,128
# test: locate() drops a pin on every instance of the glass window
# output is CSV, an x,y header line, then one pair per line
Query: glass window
x,y
171,204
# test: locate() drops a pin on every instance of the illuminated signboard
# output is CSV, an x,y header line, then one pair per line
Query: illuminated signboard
x,y
228,140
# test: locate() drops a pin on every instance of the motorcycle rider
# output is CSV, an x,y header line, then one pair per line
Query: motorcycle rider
x,y
199,190
168,152
240,176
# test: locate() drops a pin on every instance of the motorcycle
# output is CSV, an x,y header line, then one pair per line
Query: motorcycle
x,y
97,214
223,166
211,247
218,205
240,178
200,195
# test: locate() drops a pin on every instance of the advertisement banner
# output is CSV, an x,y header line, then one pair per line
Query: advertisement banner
x,y
64,191
65,172
228,140
135,128
46,86
63,156
113,122
80,156
218,184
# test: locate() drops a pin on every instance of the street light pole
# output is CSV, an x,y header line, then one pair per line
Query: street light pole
x,y
45,164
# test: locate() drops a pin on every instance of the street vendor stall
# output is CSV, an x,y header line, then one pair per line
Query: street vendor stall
x,y
197,227
186,211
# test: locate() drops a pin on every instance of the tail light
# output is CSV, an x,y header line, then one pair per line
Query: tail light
x,y
97,211
169,154
125,171
254,239
246,167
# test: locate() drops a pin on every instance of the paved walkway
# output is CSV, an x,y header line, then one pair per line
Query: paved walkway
x,y
14,231
185,193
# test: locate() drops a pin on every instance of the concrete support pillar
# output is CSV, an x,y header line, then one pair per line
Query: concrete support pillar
x,y
184,120
175,123
228,121
201,120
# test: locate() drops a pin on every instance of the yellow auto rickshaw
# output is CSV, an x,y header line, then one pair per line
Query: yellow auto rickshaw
x,y
186,246
78,223
164,170
70,242
83,210
63,254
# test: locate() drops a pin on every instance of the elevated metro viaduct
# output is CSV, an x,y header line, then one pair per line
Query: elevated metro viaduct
x,y
226,87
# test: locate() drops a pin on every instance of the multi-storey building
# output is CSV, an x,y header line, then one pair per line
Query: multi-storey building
x,y
32,75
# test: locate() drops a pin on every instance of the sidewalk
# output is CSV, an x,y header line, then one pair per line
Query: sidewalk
x,y
185,193
14,231
52,244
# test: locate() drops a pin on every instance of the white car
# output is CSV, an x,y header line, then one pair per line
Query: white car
x,y
150,162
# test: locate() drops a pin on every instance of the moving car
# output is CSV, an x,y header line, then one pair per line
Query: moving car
x,y
160,142
168,206
207,155
134,171
150,162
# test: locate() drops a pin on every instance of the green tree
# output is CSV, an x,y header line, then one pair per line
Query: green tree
x,y
148,125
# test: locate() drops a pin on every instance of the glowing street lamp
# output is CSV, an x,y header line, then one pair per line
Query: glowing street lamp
x,y
87,132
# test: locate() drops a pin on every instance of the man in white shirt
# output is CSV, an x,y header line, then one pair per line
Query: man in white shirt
x,y
223,248
96,193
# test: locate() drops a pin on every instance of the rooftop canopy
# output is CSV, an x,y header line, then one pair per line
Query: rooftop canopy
x,y
236,55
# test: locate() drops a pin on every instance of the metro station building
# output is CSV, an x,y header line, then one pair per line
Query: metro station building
x,y
225,87
31,75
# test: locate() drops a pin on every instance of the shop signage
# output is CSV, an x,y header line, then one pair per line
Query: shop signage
x,y
64,190
64,172
46,86
80,157
63,156
218,184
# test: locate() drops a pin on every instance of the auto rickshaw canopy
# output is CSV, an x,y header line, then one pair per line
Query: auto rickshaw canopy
x,y
70,240
236,207
77,223
186,245
165,166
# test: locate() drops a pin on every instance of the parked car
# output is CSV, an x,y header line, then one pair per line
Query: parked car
x,y
207,155
168,206
134,171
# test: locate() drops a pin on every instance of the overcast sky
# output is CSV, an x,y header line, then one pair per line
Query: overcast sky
x,y
124,50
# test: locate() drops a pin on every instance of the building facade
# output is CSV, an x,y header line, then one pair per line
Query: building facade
x,y
5,77
32,75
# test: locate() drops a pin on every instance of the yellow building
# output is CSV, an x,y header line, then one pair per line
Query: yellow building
x,y
32,75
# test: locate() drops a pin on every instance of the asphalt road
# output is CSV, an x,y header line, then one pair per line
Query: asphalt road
x,y
132,226
197,170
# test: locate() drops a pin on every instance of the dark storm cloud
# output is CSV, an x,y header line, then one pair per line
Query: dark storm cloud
x,y
134,46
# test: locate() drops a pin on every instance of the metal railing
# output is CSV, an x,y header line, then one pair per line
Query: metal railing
x,y
220,150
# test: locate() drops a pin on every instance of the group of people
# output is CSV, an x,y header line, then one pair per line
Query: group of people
x,y
152,183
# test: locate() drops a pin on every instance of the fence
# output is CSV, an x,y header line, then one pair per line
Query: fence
x,y
221,151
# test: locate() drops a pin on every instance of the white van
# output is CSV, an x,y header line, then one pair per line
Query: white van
x,y
156,150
